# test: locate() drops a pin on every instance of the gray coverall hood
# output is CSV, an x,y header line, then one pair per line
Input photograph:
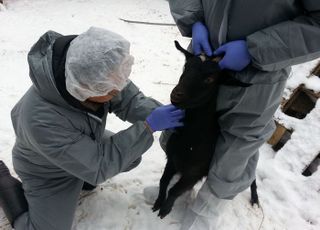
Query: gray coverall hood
x,y
41,71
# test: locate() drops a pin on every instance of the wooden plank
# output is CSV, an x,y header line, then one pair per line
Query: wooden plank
x,y
316,70
278,133
283,140
312,167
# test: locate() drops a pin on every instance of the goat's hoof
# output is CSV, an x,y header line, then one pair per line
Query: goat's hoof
x,y
255,201
157,205
164,212
154,209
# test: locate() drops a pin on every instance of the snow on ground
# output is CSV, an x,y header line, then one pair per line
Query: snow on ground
x,y
288,199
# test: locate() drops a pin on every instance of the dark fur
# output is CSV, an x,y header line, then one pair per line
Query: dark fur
x,y
190,148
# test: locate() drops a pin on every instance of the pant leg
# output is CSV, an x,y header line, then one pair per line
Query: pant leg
x,y
52,203
52,197
23,222
245,123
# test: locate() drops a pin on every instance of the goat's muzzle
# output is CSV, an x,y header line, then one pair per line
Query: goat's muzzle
x,y
177,96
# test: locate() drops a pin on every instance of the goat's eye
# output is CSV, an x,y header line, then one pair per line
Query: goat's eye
x,y
209,80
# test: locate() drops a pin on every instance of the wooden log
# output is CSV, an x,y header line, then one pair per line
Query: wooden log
x,y
316,70
278,133
312,167
280,137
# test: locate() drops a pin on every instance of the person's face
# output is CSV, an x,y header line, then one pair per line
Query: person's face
x,y
104,99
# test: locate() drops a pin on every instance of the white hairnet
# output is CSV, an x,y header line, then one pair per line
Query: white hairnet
x,y
97,62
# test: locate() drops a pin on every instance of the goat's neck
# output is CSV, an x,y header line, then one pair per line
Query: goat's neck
x,y
202,119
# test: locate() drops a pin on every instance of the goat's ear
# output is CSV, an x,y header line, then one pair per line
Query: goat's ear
x,y
185,52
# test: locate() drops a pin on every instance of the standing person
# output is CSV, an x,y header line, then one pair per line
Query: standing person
x,y
260,40
61,141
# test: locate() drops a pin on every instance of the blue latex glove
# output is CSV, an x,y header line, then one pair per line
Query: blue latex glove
x,y
200,39
165,117
236,55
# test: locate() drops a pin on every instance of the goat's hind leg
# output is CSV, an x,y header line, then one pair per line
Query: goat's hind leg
x,y
168,173
254,194
185,183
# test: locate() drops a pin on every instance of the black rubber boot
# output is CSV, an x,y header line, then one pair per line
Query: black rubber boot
x,y
12,199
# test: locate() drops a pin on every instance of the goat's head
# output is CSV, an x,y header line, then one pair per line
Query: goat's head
x,y
198,81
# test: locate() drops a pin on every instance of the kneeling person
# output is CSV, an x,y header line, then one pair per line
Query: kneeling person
x,y
61,141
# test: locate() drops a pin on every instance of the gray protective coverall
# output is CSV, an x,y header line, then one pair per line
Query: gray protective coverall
x,y
279,34
54,153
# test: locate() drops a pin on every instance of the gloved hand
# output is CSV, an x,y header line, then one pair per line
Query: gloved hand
x,y
200,39
236,55
205,212
165,117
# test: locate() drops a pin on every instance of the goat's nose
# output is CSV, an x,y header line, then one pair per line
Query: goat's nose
x,y
177,96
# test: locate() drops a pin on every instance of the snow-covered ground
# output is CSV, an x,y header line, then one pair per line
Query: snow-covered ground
x,y
288,199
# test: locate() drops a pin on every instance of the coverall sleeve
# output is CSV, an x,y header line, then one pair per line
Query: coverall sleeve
x,y
186,13
287,43
132,105
90,160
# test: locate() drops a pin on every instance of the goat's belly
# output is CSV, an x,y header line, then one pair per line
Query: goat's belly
x,y
190,158
191,168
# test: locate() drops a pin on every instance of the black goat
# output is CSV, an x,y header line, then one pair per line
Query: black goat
x,y
190,148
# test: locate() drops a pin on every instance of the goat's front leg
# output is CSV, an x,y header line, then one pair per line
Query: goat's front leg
x,y
254,194
185,183
168,173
